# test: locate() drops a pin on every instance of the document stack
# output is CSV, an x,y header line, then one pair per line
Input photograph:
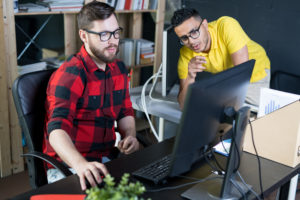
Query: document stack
x,y
144,52
62,5
31,7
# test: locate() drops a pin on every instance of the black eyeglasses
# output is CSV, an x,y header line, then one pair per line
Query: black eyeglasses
x,y
195,33
106,35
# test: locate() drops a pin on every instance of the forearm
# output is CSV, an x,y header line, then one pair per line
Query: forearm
x,y
183,90
126,126
64,147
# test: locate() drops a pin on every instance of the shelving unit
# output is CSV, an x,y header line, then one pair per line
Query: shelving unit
x,y
10,133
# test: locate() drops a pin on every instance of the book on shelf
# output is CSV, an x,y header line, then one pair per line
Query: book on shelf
x,y
146,61
147,55
131,4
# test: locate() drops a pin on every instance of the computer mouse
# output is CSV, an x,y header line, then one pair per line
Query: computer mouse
x,y
99,185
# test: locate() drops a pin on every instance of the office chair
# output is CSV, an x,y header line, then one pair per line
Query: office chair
x,y
286,82
29,94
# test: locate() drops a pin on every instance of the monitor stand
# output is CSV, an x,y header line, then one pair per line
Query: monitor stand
x,y
211,189
226,187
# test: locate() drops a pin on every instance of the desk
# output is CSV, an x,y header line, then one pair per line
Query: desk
x,y
274,175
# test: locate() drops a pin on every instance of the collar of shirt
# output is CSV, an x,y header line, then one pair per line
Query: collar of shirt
x,y
213,38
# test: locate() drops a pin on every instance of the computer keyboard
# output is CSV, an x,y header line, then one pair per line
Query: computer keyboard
x,y
157,171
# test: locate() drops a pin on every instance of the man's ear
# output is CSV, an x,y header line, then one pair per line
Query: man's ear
x,y
83,35
205,23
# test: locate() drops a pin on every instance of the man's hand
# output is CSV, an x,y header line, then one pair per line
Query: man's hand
x,y
196,65
91,172
128,145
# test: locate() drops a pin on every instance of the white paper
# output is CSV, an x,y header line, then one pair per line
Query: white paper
x,y
223,148
271,100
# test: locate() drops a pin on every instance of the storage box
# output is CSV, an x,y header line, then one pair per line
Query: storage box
x,y
277,135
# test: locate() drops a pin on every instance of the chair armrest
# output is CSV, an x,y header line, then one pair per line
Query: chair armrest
x,y
58,165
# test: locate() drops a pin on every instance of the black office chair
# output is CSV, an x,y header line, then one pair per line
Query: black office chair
x,y
286,82
29,93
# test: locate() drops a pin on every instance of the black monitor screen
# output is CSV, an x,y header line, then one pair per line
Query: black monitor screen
x,y
171,50
203,112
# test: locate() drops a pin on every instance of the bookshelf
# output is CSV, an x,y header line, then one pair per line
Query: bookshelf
x,y
10,133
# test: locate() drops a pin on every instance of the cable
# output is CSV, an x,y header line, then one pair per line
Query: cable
x,y
144,107
258,160
185,184
143,98
218,164
215,168
249,188
238,188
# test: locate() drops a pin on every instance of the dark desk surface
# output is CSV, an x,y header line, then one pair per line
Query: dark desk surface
x,y
274,174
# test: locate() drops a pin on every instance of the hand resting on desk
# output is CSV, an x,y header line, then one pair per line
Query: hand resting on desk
x,y
128,145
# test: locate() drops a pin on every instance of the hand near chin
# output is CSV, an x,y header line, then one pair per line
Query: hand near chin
x,y
196,65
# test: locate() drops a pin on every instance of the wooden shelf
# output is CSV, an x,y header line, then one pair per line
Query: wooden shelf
x,y
140,66
75,12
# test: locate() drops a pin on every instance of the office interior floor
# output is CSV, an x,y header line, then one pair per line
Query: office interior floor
x,y
19,183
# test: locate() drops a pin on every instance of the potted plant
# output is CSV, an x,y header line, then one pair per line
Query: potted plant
x,y
123,191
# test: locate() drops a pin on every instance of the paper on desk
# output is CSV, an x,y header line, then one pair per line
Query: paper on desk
x,y
271,100
223,148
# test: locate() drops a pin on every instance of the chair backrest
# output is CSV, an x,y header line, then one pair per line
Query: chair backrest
x,y
286,82
29,93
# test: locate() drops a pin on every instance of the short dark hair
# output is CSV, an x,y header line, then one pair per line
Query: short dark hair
x,y
93,11
183,14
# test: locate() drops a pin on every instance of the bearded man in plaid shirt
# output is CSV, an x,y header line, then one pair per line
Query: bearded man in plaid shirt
x,y
86,95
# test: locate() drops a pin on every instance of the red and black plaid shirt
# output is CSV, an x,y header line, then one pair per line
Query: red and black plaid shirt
x,y
85,101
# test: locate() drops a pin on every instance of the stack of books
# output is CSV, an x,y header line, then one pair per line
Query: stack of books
x,y
62,5
31,7
144,52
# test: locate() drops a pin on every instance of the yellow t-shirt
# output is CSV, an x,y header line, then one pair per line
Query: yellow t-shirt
x,y
227,37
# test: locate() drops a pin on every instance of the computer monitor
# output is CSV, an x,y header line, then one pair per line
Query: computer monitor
x,y
170,55
203,115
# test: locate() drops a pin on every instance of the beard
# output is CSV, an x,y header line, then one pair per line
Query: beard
x,y
100,53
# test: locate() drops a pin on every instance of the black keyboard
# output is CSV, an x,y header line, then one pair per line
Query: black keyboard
x,y
155,172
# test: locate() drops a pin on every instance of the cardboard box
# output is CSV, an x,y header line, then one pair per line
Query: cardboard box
x,y
277,135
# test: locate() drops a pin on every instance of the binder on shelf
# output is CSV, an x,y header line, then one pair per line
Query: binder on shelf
x,y
127,51
120,5
153,4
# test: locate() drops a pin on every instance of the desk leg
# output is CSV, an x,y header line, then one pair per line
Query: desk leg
x,y
293,188
161,129
288,190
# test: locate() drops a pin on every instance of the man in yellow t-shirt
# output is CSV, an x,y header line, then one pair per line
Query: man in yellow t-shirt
x,y
215,47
